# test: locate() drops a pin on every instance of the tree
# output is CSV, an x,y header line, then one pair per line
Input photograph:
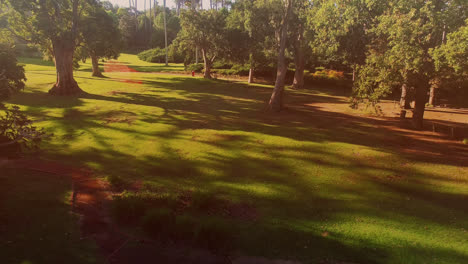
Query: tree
x,y
100,37
53,24
258,20
299,42
451,63
338,30
11,74
404,35
276,99
206,30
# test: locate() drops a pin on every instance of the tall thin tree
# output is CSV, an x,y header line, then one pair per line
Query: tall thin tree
x,y
276,100
165,30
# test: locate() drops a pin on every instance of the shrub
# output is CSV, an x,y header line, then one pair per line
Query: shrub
x,y
17,127
156,55
465,141
175,54
11,74
196,67
222,65
327,77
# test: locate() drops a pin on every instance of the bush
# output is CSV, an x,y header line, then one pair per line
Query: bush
x,y
237,69
327,77
11,74
196,67
17,127
465,141
175,55
156,55
222,65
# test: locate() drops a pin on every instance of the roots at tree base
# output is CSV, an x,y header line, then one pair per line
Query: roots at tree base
x,y
70,88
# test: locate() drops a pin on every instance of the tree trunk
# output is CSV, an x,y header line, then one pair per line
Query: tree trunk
x,y
251,78
299,61
419,107
431,95
207,74
96,70
434,85
276,99
66,84
404,102
207,65
354,73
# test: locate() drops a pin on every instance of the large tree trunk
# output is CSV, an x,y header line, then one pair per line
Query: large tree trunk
x,y
299,61
66,84
96,70
419,107
276,99
207,65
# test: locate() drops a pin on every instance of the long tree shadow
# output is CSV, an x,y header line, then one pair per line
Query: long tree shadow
x,y
305,169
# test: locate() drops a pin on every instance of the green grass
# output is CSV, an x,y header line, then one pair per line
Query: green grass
x,y
325,185
36,224
133,62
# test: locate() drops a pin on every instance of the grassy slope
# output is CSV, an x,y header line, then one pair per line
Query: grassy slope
x,y
306,173
133,62
36,224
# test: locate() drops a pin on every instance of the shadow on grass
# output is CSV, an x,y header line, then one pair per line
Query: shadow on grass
x,y
311,191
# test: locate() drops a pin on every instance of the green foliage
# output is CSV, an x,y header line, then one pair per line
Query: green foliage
x,y
158,55
327,78
11,74
222,65
373,82
205,30
195,67
16,126
236,69
100,34
153,55
142,31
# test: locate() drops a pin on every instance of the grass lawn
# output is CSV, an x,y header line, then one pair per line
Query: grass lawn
x,y
323,185
36,224
133,62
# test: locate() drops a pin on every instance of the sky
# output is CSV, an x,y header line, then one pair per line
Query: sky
x,y
169,3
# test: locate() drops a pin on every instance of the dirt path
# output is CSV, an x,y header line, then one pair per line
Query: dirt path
x,y
115,66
